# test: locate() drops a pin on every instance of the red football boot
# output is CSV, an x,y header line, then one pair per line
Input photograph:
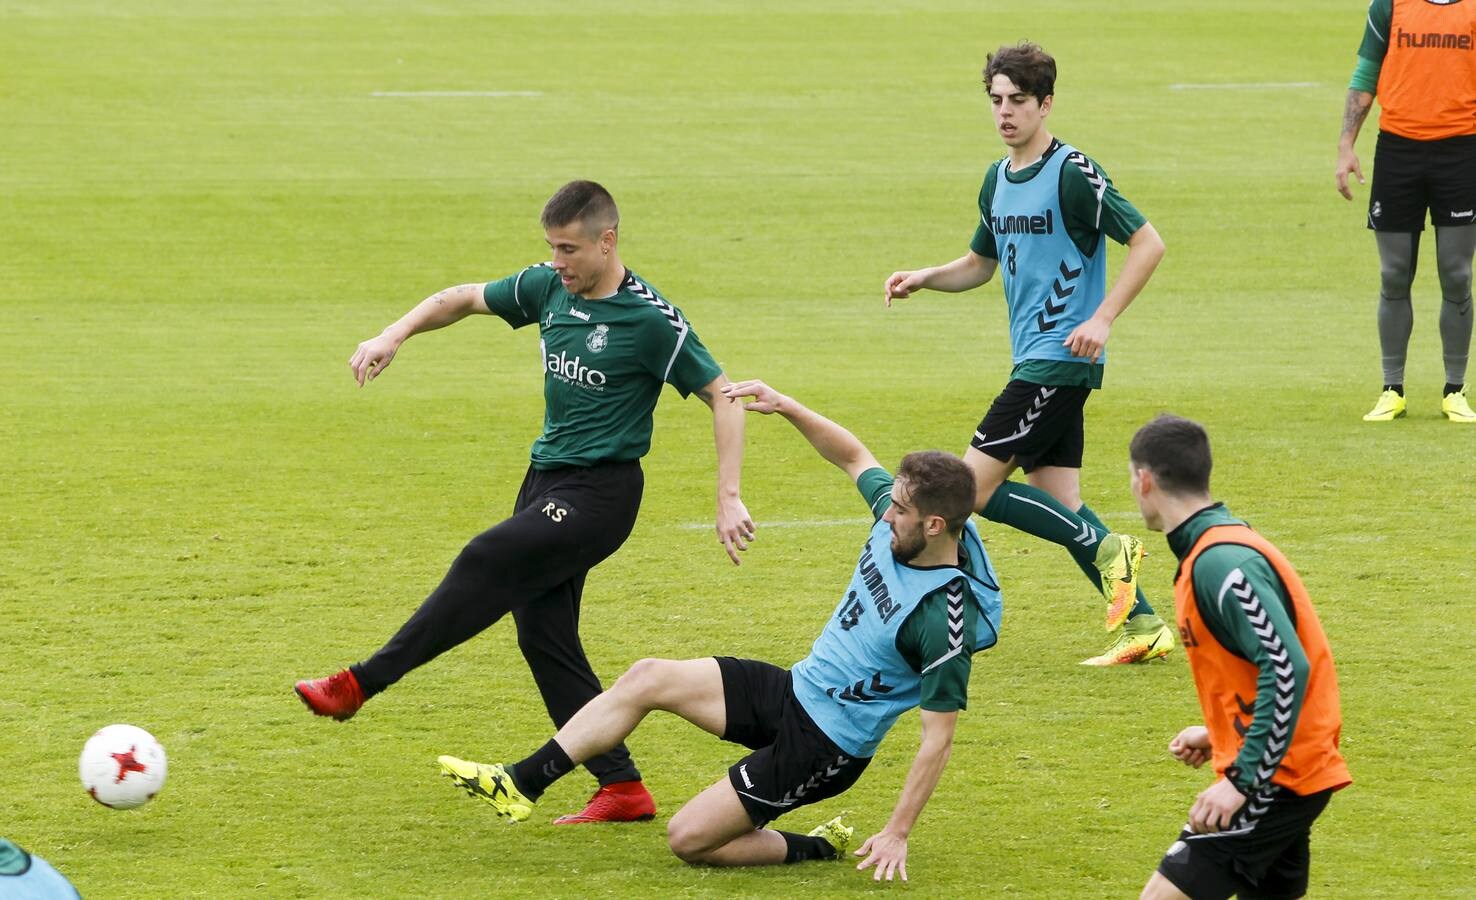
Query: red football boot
x,y
338,695
623,801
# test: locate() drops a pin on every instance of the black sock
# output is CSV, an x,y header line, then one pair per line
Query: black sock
x,y
1452,389
548,764
1397,388
803,847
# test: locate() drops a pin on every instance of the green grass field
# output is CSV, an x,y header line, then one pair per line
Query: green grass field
x,y
205,207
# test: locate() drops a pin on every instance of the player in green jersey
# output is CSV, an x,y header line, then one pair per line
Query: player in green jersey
x,y
609,342
1046,210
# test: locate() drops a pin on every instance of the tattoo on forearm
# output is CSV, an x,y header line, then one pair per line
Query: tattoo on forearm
x,y
1354,112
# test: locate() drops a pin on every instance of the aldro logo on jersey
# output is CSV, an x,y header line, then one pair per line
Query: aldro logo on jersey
x,y
572,370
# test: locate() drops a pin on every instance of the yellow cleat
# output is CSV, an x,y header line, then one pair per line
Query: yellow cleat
x,y
1118,559
1456,408
1143,638
490,783
837,834
1389,408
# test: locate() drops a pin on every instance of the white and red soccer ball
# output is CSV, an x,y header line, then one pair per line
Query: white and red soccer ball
x,y
122,766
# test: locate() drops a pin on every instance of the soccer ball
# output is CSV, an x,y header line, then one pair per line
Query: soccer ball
x,y
122,766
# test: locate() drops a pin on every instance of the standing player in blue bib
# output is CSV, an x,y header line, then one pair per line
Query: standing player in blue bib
x,y
1045,212
921,601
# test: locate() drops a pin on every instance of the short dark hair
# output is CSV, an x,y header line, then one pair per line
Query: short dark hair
x,y
1176,451
939,484
1031,69
581,201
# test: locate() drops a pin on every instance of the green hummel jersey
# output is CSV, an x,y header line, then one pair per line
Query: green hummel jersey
x,y
924,636
604,362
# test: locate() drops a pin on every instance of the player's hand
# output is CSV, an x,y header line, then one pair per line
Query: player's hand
x,y
1347,162
900,285
1088,338
372,358
1215,806
887,852
735,529
765,400
1191,746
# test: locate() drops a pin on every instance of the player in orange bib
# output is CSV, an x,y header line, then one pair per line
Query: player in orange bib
x,y
1264,673
1419,57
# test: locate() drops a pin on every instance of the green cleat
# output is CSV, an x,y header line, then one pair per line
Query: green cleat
x,y
490,783
1118,559
1456,408
1389,408
1145,637
837,834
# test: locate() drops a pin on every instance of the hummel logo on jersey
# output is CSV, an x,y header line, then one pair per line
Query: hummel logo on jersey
x,y
1463,214
1433,40
579,314
574,371
1045,224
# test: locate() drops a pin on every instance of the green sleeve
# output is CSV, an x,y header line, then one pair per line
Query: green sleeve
x,y
1092,208
1376,31
875,485
519,298
676,355
1242,601
983,242
936,640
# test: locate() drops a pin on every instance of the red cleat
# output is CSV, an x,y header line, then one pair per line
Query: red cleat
x,y
338,695
623,801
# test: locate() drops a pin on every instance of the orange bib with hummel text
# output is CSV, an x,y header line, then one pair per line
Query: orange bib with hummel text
x,y
1427,84
1226,682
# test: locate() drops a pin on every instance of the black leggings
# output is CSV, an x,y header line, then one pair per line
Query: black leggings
x,y
533,564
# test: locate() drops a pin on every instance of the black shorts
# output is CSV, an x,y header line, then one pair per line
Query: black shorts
x,y
1265,853
1035,425
793,763
1410,177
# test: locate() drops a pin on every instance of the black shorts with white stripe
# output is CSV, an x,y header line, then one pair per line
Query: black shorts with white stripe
x,y
1035,425
793,764
1265,853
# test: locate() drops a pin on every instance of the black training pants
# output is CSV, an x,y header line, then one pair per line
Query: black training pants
x,y
533,564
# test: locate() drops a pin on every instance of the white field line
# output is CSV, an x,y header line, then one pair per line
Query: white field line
x,y
1244,86
457,94
791,523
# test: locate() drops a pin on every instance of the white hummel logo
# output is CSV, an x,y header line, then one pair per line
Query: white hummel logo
x,y
743,773
579,315
1463,214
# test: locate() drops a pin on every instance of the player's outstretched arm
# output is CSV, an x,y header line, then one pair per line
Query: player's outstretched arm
x,y
734,526
436,311
963,274
837,445
887,849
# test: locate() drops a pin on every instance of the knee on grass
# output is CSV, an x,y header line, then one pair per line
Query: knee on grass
x,y
688,843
